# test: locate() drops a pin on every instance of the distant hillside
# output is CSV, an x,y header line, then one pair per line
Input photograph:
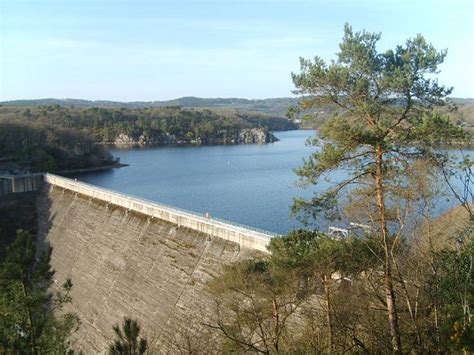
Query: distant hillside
x,y
275,106
464,115
463,101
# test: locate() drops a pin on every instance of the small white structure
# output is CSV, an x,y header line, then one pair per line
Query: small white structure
x,y
338,233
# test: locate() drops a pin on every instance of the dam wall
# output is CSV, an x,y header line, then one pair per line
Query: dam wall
x,y
12,184
123,260
245,236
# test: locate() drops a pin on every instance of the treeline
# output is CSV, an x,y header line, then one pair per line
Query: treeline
x,y
273,106
152,124
460,112
45,147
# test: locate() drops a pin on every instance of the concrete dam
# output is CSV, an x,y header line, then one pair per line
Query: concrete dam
x,y
135,258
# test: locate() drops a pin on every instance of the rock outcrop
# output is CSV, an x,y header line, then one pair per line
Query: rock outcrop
x,y
123,139
125,264
243,136
143,140
255,135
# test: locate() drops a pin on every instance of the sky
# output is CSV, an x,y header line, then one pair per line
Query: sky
x,y
144,50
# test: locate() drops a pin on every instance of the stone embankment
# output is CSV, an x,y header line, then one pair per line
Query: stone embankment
x,y
129,257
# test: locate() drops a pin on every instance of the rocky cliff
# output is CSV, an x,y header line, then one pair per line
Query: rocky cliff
x,y
124,264
255,135
243,136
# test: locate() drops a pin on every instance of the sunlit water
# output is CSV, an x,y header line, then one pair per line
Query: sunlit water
x,y
249,184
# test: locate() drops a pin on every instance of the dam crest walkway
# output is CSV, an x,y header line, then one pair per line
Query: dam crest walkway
x,y
244,236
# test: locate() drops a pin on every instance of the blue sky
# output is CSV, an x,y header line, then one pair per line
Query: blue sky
x,y
156,50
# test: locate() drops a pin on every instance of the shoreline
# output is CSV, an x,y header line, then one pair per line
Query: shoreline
x,y
174,144
96,168
143,143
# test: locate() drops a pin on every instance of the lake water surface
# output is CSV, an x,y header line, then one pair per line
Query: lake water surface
x,y
249,184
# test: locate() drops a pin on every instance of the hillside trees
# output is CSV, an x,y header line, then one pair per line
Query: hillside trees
x,y
383,126
323,265
455,295
333,291
307,296
28,324
254,303
48,148
157,124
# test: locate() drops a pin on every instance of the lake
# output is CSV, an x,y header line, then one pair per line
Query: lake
x,y
249,184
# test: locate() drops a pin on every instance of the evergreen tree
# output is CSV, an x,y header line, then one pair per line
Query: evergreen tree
x,y
384,124
27,320
127,339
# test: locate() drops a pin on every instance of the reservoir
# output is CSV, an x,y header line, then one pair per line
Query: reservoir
x,y
248,184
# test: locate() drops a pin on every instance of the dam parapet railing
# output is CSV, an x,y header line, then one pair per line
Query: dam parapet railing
x,y
245,236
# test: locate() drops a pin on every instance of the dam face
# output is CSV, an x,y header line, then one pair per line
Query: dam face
x,y
124,263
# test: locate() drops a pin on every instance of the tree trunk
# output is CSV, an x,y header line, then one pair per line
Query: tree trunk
x,y
276,317
29,316
388,280
327,293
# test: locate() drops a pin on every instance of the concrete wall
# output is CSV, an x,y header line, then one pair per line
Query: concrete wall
x,y
123,263
243,236
10,184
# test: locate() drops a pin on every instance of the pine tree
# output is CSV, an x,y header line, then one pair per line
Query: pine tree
x,y
127,339
383,124
27,320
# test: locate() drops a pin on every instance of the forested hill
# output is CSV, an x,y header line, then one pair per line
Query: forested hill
x,y
106,124
274,106
57,137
